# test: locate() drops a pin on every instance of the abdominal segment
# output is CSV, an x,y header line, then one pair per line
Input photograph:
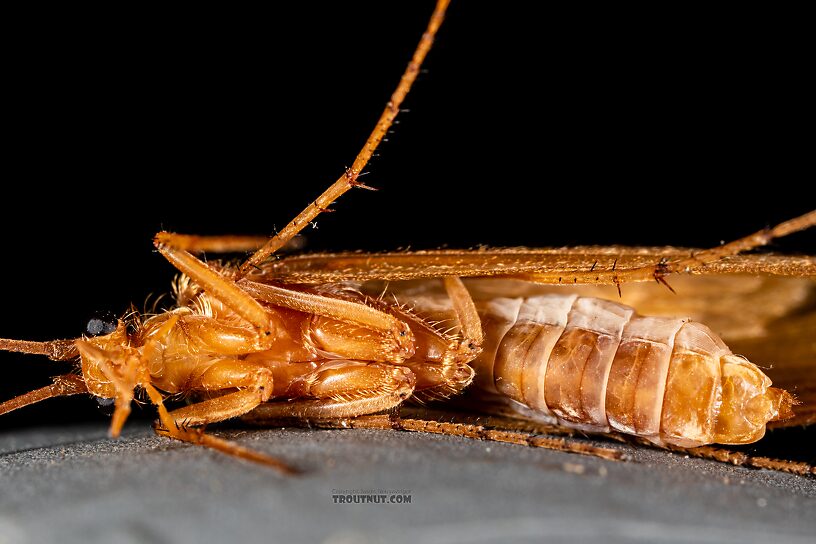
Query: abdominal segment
x,y
598,366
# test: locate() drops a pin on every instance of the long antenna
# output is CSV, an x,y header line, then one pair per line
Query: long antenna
x,y
63,386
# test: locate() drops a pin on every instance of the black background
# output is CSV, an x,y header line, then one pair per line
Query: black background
x,y
545,127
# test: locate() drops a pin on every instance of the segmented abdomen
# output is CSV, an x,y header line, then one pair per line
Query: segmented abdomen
x,y
598,366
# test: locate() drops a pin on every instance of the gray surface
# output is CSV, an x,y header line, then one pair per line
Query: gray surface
x,y
76,485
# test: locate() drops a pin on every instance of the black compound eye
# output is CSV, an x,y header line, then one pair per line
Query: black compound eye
x,y
101,324
106,405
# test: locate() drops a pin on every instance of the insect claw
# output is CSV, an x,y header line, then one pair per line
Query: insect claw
x,y
394,418
661,270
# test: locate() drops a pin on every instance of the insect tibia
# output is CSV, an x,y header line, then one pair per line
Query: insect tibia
x,y
197,436
341,324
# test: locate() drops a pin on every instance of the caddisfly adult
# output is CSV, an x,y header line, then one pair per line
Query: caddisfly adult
x,y
293,339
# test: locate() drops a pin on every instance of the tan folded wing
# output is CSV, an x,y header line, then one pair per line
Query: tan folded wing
x,y
548,265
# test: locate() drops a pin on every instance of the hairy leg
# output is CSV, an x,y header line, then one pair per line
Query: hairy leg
x,y
254,385
442,361
245,299
341,389
224,243
466,430
168,427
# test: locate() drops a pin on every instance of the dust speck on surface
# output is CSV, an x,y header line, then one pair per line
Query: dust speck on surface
x,y
574,468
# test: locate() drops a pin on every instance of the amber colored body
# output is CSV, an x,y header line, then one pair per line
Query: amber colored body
x,y
590,363
201,345
271,340
596,365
